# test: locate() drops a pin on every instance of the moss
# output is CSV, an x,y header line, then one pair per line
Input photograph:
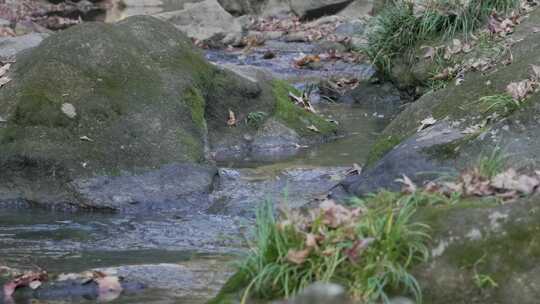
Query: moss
x,y
230,291
381,147
516,251
296,117
195,101
192,147
36,109
434,216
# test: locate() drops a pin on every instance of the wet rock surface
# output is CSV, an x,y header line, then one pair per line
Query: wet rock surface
x,y
410,158
11,46
482,239
170,188
242,190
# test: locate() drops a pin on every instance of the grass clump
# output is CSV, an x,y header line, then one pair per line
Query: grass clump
x,y
255,119
503,104
402,25
368,248
492,164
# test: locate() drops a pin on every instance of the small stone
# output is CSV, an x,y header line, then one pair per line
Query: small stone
x,y
2,119
69,110
269,55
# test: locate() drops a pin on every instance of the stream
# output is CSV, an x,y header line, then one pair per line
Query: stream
x,y
182,257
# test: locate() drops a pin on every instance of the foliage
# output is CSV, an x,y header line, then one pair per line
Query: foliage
x,y
368,247
255,118
501,103
492,164
402,25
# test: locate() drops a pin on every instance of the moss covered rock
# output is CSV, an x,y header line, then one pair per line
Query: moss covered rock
x,y
114,100
482,252
464,130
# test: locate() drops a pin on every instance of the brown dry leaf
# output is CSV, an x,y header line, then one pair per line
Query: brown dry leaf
x,y
231,121
298,256
7,32
519,90
510,180
357,248
24,280
311,240
444,75
313,128
299,63
408,185
335,215
475,184
109,288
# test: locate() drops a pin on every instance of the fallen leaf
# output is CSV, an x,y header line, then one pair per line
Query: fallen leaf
x,y
34,285
311,240
303,61
24,280
4,69
357,248
519,90
426,123
408,185
69,110
511,180
4,80
85,138
231,121
298,256
355,170
535,75
313,128
109,288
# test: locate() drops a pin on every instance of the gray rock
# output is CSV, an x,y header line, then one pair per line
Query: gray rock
x,y
325,46
321,293
11,46
205,20
139,97
411,158
274,141
171,187
478,239
240,191
296,37
377,97
311,9
199,278
355,27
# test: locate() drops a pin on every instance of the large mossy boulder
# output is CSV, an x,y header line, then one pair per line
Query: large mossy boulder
x,y
482,252
119,100
464,129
